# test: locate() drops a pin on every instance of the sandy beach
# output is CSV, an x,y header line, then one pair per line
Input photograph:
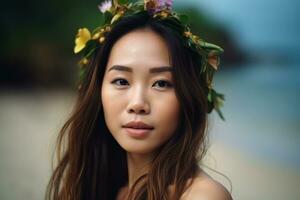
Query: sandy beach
x,y
29,123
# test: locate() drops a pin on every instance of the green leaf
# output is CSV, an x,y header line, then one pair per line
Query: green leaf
x,y
91,46
123,2
107,17
81,74
209,97
220,114
184,18
211,46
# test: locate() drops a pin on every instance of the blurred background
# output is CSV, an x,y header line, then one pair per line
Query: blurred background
x,y
257,147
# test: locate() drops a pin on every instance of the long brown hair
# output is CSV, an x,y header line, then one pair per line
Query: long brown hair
x,y
92,165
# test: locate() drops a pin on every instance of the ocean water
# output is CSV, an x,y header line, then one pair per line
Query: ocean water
x,y
262,111
262,96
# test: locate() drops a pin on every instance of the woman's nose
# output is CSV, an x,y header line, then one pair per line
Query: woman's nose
x,y
138,103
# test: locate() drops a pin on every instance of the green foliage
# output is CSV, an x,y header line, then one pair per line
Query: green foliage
x,y
184,19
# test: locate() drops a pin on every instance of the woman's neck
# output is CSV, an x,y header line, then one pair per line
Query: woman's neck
x,y
138,165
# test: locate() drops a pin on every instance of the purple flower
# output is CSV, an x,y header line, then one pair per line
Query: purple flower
x,y
164,4
155,6
105,6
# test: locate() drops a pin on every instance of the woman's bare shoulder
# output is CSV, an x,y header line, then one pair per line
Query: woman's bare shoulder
x,y
205,187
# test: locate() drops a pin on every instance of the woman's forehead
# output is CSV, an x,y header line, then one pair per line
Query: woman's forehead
x,y
141,47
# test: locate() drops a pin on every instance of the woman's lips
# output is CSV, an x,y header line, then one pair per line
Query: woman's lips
x,y
138,129
137,132
138,125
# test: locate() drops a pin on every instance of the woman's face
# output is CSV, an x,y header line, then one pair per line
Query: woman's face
x,y
138,87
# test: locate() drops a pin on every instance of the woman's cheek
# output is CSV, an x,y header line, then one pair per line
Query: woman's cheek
x,y
168,110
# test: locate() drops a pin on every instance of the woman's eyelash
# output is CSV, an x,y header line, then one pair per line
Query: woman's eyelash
x,y
119,79
168,84
119,82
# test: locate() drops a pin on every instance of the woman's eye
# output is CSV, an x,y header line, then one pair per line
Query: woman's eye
x,y
163,84
120,82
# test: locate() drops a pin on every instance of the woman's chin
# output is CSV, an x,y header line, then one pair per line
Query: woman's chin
x,y
137,147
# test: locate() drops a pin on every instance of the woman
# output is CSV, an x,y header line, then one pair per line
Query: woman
x,y
139,125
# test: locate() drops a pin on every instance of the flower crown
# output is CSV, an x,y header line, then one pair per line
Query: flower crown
x,y
87,42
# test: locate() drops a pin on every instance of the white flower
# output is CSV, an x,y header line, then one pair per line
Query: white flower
x,y
105,6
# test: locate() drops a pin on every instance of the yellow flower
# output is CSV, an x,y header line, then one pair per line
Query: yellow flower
x,y
108,28
195,38
164,14
187,34
117,16
82,37
219,102
96,36
101,39
83,62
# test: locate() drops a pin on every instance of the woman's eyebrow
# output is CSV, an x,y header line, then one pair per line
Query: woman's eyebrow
x,y
151,70
161,69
